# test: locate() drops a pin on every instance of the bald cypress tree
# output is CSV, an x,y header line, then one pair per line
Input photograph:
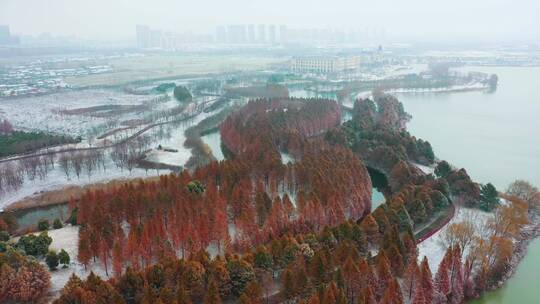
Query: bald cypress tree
x,y
288,288
212,294
426,280
367,296
182,296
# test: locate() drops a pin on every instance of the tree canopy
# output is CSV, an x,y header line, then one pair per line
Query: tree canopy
x,y
182,94
489,197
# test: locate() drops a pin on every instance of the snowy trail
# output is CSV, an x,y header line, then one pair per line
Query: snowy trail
x,y
433,248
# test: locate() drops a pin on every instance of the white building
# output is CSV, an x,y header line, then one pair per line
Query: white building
x,y
325,64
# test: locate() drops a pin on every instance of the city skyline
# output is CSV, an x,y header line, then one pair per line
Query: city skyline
x,y
460,20
149,37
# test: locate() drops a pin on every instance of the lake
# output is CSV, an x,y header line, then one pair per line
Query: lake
x,y
496,137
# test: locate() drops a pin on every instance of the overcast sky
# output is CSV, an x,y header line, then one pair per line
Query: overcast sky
x,y
496,20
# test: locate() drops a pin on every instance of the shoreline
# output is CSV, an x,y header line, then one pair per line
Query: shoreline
x,y
402,91
529,233
63,195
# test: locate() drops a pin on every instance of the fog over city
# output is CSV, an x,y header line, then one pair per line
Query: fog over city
x,y
418,20
269,151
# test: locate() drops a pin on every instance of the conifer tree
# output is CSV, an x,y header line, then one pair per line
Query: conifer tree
x,y
212,294
367,277
419,297
412,279
351,274
367,296
392,295
314,299
371,228
384,275
396,261
63,258
427,281
301,280
442,280
130,285
182,296
253,293
288,288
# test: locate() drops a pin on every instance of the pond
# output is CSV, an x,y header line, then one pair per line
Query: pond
x,y
380,184
28,218
377,198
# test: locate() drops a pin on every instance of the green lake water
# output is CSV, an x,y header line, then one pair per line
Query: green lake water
x,y
496,137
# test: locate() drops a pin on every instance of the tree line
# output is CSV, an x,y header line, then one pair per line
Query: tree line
x,y
309,221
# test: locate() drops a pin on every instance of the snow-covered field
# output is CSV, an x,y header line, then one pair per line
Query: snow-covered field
x,y
433,247
67,238
213,140
56,179
42,112
175,140
170,136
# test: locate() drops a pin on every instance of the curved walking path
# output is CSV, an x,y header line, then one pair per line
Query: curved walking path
x,y
436,225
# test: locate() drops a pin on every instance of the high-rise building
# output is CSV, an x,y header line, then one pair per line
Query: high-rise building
x,y
236,34
221,34
5,36
283,33
156,38
243,33
143,36
261,33
4,32
272,34
251,33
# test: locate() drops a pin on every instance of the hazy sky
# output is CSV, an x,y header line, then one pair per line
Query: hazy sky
x,y
502,20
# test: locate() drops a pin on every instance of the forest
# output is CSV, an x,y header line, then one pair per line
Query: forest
x,y
251,229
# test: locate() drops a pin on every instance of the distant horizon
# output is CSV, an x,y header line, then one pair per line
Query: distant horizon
x,y
388,39
414,21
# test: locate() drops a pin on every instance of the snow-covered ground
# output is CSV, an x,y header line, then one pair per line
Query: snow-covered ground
x,y
425,169
67,238
286,158
56,179
454,88
175,141
349,102
173,136
42,112
213,140
433,247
